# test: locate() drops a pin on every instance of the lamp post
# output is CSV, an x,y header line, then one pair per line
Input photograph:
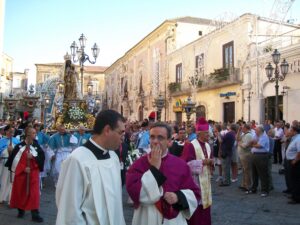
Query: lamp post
x,y
159,103
284,67
188,106
82,57
46,105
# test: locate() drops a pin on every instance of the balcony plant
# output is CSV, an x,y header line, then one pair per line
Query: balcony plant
x,y
220,75
174,86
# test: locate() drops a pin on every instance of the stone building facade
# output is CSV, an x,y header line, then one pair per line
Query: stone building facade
x,y
135,80
218,68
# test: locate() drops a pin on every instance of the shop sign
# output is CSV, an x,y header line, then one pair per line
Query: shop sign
x,y
228,94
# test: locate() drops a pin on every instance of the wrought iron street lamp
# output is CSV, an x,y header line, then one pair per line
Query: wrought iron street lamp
x,y
284,67
45,104
82,57
159,103
188,107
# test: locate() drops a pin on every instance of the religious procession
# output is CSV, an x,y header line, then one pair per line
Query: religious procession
x,y
167,169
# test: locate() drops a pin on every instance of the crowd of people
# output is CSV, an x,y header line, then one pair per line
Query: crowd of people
x,y
166,168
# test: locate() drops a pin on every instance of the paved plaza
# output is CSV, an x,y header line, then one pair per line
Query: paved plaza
x,y
230,207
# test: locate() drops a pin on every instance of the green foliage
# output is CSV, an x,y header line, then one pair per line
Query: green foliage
x,y
268,49
174,86
220,75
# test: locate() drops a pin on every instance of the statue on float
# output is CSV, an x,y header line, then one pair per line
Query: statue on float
x,y
70,108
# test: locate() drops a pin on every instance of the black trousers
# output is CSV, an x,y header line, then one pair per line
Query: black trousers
x,y
277,152
260,172
287,174
295,180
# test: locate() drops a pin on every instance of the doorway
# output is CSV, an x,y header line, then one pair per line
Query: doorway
x,y
229,112
270,108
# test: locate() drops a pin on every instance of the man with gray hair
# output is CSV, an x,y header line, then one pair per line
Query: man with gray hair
x,y
260,153
244,139
293,165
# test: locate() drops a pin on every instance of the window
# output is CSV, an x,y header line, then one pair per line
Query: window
x,y
228,55
17,83
179,73
45,76
199,64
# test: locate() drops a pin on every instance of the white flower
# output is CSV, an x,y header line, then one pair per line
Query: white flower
x,y
76,113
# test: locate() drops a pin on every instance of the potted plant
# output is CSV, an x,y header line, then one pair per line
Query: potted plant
x,y
220,75
174,86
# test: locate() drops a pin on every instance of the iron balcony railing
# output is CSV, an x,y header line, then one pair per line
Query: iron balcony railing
x,y
211,81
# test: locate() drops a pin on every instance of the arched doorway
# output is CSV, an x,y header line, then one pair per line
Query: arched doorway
x,y
141,113
200,111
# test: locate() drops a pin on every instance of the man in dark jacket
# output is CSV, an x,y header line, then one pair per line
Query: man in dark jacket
x,y
226,153
26,161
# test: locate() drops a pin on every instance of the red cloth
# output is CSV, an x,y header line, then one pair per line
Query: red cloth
x,y
19,198
200,217
26,114
202,125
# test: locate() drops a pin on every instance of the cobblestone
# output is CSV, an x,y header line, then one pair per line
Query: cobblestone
x,y
231,206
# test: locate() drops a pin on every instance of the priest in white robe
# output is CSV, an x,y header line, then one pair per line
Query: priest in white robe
x,y
89,189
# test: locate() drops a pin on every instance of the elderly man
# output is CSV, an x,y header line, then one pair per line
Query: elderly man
x,y
200,159
260,157
26,161
160,184
244,139
293,164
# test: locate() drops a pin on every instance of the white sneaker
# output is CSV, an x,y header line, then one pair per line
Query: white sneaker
x,y
234,180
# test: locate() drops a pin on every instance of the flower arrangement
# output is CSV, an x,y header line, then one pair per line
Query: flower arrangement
x,y
76,113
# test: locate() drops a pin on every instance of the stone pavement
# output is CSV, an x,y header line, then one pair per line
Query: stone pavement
x,y
230,207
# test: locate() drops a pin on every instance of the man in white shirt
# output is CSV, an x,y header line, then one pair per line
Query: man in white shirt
x,y
89,185
277,146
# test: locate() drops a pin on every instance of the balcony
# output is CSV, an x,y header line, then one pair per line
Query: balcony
x,y
219,78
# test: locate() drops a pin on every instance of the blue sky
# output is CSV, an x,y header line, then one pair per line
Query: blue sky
x,y
41,31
